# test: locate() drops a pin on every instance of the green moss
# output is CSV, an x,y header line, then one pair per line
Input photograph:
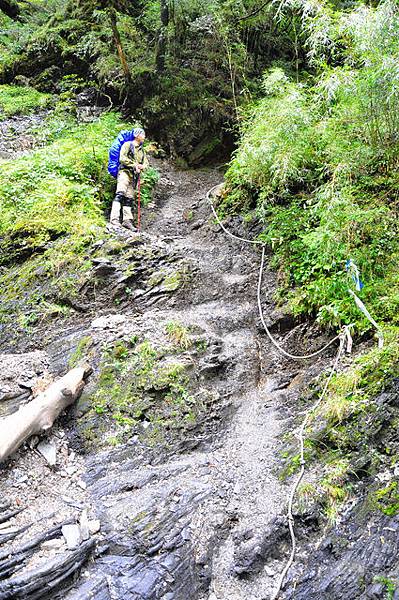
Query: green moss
x,y
390,585
352,391
81,351
140,382
15,100
172,281
168,281
387,499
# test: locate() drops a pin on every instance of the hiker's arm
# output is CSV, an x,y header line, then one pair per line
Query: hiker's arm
x,y
126,161
144,165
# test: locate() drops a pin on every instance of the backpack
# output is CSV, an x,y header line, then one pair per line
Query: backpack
x,y
115,149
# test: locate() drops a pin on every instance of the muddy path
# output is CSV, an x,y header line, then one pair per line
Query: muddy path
x,y
201,517
209,498
200,510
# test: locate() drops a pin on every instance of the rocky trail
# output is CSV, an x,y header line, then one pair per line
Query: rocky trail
x,y
200,516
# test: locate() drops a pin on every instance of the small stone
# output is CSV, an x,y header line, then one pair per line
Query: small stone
x,y
84,526
72,536
21,479
49,451
71,470
53,544
94,526
72,456
385,476
237,488
270,572
108,321
81,484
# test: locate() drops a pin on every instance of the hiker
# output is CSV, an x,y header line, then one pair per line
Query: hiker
x,y
132,161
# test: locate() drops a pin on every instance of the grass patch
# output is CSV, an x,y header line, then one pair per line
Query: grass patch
x,y
18,100
178,334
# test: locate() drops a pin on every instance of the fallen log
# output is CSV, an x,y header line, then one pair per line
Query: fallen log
x,y
39,414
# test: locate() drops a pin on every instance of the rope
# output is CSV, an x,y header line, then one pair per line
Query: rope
x,y
344,336
236,237
269,334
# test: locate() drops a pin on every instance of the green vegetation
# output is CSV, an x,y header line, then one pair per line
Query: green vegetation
x,y
182,67
57,190
387,499
319,160
343,431
81,351
16,100
53,207
390,586
140,383
178,334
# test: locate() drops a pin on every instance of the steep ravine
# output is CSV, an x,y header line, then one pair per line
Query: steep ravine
x,y
197,514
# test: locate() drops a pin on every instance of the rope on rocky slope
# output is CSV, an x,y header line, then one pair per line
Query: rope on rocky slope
x,y
262,318
343,336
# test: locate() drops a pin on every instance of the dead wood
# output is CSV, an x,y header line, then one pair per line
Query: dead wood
x,y
39,415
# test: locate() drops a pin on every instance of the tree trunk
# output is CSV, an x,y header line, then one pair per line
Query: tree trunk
x,y
39,414
118,44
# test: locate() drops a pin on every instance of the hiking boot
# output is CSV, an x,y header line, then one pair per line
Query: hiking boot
x,y
128,224
115,213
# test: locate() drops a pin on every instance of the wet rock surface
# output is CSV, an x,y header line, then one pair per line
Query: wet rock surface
x,y
180,500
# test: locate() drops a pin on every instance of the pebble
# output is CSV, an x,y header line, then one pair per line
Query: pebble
x,y
81,484
71,470
49,451
53,544
84,526
72,536
270,572
108,321
94,526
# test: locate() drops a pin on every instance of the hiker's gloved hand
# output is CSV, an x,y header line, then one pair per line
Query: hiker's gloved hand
x,y
139,168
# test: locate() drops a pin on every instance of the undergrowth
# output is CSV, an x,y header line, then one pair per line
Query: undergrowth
x,y
54,204
319,162
17,100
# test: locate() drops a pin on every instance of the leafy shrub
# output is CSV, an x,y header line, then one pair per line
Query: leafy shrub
x,y
320,161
